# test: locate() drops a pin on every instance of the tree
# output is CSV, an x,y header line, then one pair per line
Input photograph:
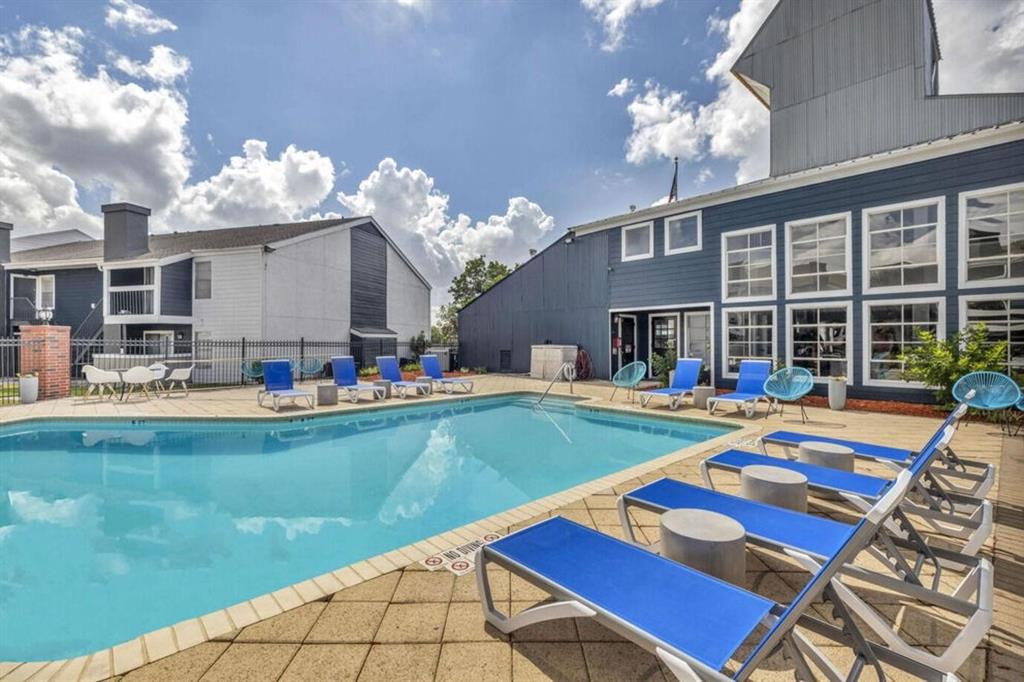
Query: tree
x,y
938,363
476,277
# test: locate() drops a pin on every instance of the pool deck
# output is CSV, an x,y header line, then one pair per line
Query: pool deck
x,y
388,618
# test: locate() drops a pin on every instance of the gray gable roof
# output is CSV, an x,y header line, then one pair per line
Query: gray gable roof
x,y
164,245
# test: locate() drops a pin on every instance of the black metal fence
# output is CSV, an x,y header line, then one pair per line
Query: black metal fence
x,y
11,349
220,362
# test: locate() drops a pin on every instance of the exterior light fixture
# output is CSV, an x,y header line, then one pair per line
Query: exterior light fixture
x,y
44,315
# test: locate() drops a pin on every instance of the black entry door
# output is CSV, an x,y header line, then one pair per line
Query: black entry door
x,y
628,341
23,299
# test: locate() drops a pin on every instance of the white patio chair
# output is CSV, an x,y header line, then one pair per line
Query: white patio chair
x,y
100,380
160,372
180,376
137,377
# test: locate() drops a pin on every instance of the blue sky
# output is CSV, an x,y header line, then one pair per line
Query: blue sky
x,y
465,127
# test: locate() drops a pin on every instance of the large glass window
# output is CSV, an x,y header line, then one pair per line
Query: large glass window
x,y
818,262
995,235
46,292
749,335
682,233
820,338
1003,317
749,264
204,279
638,242
894,328
904,246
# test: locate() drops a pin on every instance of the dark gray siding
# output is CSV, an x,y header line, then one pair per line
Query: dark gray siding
x,y
558,296
176,288
369,277
77,290
695,278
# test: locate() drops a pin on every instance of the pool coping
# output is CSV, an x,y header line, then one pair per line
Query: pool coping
x,y
153,646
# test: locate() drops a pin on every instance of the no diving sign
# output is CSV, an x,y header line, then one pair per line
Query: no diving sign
x,y
459,560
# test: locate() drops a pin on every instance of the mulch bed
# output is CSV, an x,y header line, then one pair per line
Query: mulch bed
x,y
885,406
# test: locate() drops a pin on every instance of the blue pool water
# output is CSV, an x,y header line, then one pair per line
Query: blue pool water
x,y
110,530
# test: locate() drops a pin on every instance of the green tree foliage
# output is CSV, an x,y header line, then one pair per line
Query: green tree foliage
x,y
938,363
661,365
418,345
478,276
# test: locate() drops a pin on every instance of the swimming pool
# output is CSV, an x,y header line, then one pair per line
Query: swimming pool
x,y
109,530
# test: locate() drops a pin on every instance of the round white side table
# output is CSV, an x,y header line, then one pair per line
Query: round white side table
x,y
828,455
707,541
775,486
701,395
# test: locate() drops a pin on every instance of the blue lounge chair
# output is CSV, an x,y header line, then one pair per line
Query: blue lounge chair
x,y
683,383
432,369
278,384
387,365
821,538
695,624
953,515
749,387
955,473
344,369
629,377
788,385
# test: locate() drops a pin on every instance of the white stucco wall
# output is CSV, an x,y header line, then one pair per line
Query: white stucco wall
x,y
308,286
408,299
235,308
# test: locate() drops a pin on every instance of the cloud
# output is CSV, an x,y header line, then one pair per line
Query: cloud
x,y
136,18
982,45
614,16
406,202
733,125
164,66
254,188
622,88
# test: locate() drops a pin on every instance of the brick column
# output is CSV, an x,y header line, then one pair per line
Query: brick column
x,y
46,350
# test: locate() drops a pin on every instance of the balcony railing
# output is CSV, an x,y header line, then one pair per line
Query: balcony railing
x,y
131,302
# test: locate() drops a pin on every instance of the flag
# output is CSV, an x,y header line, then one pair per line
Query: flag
x,y
673,194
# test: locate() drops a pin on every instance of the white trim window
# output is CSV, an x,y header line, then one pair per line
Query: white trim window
x,y
748,264
819,260
46,292
747,334
892,327
905,246
203,287
1003,317
819,338
683,233
992,236
638,242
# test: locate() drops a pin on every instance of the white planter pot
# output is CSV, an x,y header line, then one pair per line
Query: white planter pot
x,y
28,389
836,394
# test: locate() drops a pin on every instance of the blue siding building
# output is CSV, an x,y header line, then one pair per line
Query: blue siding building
x,y
835,267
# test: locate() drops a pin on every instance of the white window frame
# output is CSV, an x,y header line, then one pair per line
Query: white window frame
x,y
700,233
39,291
848,291
726,374
962,242
963,300
940,247
195,279
650,337
940,330
724,265
649,225
849,334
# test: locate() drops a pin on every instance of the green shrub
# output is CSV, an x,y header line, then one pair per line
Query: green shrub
x,y
368,371
418,345
938,363
412,367
480,370
661,365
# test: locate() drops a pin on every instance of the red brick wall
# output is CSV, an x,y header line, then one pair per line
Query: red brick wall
x,y
46,350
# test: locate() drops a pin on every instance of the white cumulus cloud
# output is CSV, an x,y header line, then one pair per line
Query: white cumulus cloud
x,y
406,202
164,65
136,18
614,16
982,45
622,88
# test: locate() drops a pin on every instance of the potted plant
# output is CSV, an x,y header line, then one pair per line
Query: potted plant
x,y
837,393
28,387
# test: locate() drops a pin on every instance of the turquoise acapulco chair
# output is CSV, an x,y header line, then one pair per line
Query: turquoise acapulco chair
x,y
992,391
629,377
788,385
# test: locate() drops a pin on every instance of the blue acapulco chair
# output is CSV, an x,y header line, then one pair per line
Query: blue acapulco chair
x,y
788,385
252,370
683,383
310,367
629,377
992,390
1020,417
